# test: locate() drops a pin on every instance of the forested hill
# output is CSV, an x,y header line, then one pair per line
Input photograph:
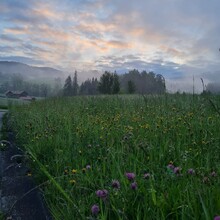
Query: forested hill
x,y
8,68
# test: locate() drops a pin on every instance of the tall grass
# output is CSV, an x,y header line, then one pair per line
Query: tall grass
x,y
80,145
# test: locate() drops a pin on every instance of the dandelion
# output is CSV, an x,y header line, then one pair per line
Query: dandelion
x,y
130,176
102,194
115,184
95,209
83,170
74,171
191,171
146,175
72,181
134,185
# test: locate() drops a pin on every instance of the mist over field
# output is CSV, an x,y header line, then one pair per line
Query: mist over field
x,y
177,40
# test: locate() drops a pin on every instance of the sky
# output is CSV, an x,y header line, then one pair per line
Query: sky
x,y
179,39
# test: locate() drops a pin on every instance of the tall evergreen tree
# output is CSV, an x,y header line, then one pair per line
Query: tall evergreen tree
x,y
105,83
116,84
67,89
89,87
75,86
131,87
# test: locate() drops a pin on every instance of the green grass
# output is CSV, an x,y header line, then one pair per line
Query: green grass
x,y
6,102
120,134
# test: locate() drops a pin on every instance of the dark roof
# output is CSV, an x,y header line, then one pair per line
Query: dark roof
x,y
15,92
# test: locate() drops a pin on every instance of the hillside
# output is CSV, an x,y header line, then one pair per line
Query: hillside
x,y
28,72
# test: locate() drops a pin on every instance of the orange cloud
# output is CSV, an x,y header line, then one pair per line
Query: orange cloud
x,y
118,44
17,30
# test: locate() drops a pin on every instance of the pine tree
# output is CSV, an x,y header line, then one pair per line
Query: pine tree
x,y
75,86
116,84
131,87
105,83
67,89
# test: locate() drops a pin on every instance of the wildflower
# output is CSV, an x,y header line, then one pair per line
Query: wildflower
x,y
65,171
217,217
102,194
29,174
74,171
134,185
115,184
83,170
130,176
176,170
170,166
72,181
146,175
206,180
95,209
191,171
213,174
88,167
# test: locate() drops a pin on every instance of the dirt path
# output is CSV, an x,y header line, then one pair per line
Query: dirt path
x,y
2,112
19,196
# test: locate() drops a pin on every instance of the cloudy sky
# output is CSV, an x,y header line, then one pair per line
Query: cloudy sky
x,y
179,39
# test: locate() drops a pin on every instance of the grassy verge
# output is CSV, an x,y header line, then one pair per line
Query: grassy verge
x,y
124,157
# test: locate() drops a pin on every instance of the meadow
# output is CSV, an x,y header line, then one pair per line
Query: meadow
x,y
6,102
124,157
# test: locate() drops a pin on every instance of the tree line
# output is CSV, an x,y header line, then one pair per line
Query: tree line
x,y
16,82
109,83
112,83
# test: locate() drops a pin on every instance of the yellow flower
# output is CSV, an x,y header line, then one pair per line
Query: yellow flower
x,y
72,181
74,171
83,170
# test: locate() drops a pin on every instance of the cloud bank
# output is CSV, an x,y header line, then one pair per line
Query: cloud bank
x,y
178,39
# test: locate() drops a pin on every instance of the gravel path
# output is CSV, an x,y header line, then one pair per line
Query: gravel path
x,y
20,199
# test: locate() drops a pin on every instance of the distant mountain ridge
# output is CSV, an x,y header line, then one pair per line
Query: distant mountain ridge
x,y
29,72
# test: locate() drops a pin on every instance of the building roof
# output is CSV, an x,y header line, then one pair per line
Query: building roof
x,y
15,92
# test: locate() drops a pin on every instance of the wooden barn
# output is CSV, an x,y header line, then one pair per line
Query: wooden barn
x,y
16,94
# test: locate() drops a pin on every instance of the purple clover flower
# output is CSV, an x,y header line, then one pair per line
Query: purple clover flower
x,y
102,194
217,217
146,175
95,209
213,174
176,170
115,184
134,185
170,166
191,171
130,176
